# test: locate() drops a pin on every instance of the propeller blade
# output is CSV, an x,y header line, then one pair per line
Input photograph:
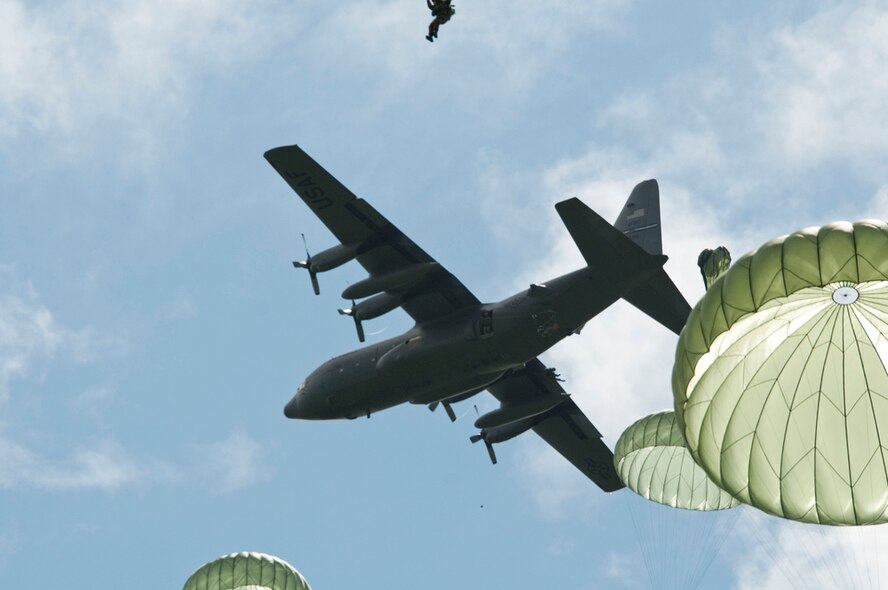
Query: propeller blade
x,y
306,264
354,315
433,406
450,413
490,451
359,328
476,437
314,280
304,243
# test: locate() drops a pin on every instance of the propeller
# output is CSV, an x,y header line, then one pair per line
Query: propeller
x,y
306,264
483,436
353,313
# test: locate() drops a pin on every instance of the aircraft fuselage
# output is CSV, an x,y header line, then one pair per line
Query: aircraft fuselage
x,y
460,354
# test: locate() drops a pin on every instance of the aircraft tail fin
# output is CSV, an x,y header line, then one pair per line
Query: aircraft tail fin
x,y
640,217
639,221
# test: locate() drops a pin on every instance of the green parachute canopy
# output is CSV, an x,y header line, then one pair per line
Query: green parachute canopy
x,y
246,571
779,380
653,461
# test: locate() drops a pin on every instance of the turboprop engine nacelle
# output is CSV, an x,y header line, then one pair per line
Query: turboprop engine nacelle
x,y
334,257
375,306
395,280
371,308
509,413
327,260
498,434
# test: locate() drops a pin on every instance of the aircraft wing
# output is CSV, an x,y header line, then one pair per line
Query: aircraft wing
x,y
382,247
564,427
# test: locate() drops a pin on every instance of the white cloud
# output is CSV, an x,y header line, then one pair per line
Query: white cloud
x,y
231,464
31,341
622,571
557,488
93,402
30,336
66,67
104,466
785,555
771,103
27,334
878,206
561,546
825,86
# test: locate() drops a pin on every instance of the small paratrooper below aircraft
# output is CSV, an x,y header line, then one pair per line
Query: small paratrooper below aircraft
x,y
460,346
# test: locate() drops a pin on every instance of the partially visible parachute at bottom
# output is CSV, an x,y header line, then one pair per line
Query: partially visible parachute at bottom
x,y
246,571
680,516
652,459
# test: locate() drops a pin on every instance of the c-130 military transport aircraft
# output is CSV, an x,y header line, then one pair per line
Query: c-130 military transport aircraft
x,y
460,346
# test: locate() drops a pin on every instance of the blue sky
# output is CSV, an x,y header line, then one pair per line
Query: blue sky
x,y
152,328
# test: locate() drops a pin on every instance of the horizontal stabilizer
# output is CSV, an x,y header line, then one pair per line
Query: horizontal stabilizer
x,y
661,299
601,244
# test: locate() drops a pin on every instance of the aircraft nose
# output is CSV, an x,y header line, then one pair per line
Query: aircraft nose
x,y
291,410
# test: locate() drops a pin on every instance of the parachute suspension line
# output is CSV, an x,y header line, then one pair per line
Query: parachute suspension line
x,y
692,577
818,556
642,537
652,552
757,522
677,545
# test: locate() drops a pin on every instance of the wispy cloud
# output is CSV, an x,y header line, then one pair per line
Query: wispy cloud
x,y
824,86
785,555
102,466
66,67
231,464
31,337
226,466
771,103
93,403
622,571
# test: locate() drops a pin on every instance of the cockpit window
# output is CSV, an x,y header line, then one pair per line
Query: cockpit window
x,y
301,386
